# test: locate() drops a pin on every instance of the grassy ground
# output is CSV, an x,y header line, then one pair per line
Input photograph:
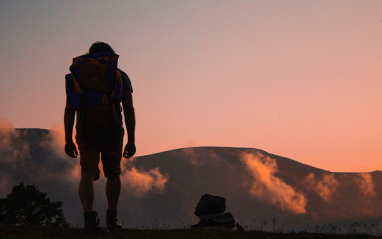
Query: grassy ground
x,y
18,232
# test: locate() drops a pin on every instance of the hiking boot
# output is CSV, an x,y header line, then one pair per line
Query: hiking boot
x,y
92,226
112,220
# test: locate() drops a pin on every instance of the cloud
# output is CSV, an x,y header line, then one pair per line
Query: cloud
x,y
269,187
366,184
29,155
55,141
13,151
198,159
325,187
193,156
141,182
9,148
6,124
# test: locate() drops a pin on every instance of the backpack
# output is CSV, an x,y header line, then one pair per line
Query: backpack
x,y
94,89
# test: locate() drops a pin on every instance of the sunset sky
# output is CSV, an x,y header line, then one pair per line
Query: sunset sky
x,y
300,79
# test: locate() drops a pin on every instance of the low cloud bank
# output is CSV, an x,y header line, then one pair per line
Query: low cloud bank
x,y
55,141
267,186
6,124
197,159
366,184
324,187
44,151
9,150
140,182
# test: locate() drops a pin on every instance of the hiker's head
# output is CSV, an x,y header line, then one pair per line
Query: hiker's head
x,y
98,47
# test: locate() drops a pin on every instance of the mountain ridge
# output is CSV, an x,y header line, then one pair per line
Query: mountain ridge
x,y
47,131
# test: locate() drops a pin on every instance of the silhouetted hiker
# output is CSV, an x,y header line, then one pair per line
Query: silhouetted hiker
x,y
95,88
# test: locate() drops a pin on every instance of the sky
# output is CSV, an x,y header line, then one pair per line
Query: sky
x,y
300,79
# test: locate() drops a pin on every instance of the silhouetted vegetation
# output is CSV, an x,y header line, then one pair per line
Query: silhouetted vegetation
x,y
27,205
18,232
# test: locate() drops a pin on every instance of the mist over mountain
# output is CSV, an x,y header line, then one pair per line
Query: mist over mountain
x,y
162,190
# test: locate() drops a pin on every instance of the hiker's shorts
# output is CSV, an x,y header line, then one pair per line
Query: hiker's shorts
x,y
110,153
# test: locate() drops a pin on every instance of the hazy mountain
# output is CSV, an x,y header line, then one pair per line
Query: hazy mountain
x,y
162,190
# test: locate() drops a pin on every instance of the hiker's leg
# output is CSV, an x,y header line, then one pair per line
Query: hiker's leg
x,y
111,156
111,160
113,189
86,191
89,159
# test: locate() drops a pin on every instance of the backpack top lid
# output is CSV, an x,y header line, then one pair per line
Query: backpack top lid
x,y
96,78
95,71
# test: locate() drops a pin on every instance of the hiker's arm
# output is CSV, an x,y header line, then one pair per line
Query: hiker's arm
x,y
70,147
128,111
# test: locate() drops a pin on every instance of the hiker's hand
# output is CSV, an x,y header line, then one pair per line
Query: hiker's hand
x,y
129,150
71,149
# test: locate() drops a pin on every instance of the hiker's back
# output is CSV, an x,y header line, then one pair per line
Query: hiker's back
x,y
94,88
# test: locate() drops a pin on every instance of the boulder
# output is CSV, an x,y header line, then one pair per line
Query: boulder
x,y
210,205
210,210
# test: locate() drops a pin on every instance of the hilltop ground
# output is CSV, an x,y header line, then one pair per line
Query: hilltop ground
x,y
18,232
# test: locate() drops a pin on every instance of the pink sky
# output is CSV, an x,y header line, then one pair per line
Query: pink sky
x,y
300,79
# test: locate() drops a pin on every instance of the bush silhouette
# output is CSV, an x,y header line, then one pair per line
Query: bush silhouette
x,y
26,205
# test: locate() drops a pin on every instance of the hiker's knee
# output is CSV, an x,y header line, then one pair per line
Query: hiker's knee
x,y
112,175
112,164
87,176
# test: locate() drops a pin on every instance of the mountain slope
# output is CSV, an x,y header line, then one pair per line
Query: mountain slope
x,y
162,190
